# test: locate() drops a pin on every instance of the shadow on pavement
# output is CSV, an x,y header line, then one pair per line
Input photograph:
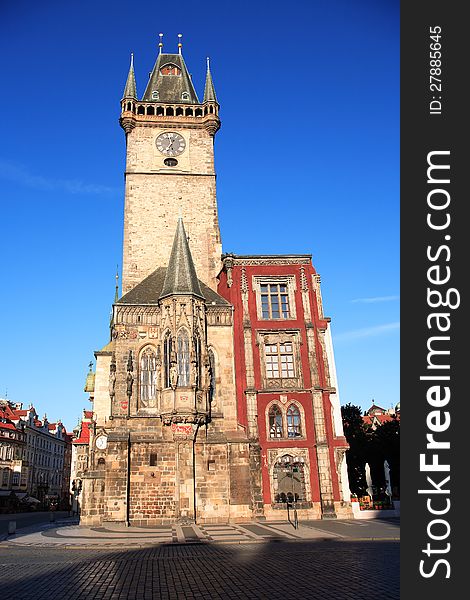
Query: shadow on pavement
x,y
317,570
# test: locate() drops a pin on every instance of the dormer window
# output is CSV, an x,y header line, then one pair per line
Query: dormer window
x,y
155,95
170,70
185,96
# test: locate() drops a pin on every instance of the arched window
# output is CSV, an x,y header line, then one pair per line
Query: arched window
x,y
275,422
148,376
167,348
185,96
101,464
183,358
293,422
289,479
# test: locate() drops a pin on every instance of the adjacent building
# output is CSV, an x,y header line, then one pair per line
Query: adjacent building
x,y
44,472
215,398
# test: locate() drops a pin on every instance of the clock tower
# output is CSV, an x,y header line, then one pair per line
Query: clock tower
x,y
169,171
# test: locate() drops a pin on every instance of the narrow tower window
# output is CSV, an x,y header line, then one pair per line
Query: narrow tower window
x,y
148,376
167,348
183,359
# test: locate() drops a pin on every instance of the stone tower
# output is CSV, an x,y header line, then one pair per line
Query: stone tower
x,y
169,170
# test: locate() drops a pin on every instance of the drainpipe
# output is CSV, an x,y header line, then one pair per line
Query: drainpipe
x,y
194,471
128,483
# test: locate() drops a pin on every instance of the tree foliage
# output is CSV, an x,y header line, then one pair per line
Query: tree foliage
x,y
367,445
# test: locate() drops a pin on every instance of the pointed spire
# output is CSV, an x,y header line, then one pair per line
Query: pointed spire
x,y
130,91
209,90
181,278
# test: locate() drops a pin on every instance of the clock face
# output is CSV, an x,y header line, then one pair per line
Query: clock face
x,y
171,143
101,442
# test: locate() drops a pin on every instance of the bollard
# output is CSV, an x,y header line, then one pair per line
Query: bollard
x,y
11,527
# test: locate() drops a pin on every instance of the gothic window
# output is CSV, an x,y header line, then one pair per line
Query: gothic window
x,y
274,301
279,360
170,69
148,376
167,349
293,421
275,422
183,358
289,479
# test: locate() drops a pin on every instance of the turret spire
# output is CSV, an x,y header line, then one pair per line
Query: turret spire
x,y
130,91
181,278
209,90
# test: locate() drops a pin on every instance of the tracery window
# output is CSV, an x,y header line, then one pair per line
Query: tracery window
x,y
275,422
289,479
148,376
293,421
183,359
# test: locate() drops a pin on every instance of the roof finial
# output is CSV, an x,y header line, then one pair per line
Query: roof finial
x,y
90,365
180,45
132,59
208,61
160,44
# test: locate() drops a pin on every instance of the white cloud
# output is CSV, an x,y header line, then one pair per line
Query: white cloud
x,y
356,334
19,174
376,299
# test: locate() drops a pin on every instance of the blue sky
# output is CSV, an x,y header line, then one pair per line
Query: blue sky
x,y
322,73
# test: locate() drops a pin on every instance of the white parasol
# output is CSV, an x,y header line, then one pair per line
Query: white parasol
x,y
388,487
369,481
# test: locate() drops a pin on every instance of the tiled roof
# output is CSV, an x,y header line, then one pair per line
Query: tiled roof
x,y
149,290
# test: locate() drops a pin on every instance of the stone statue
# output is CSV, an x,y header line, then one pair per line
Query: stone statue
x,y
173,376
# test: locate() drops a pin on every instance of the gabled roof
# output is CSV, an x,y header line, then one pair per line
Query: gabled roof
x,y
148,291
170,88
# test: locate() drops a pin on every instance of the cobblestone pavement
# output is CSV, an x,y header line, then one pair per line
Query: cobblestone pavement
x,y
67,533
313,570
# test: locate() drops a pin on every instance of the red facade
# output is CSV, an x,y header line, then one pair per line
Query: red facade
x,y
251,284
